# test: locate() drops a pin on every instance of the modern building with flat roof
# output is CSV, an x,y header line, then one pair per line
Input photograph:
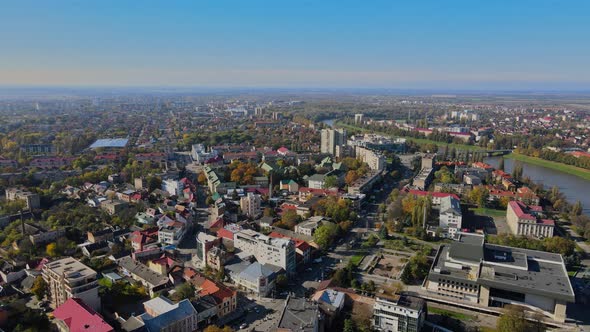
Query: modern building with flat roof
x,y
67,278
395,312
472,271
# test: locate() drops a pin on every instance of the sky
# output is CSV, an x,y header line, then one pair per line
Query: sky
x,y
498,44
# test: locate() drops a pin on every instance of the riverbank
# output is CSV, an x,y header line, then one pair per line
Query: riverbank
x,y
573,170
460,147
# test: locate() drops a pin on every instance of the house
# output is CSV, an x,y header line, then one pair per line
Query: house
x,y
75,316
100,236
308,227
113,206
258,279
152,280
290,186
225,297
161,314
95,248
143,239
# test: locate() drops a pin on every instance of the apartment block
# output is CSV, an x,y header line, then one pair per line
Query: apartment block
x,y
528,220
276,251
68,278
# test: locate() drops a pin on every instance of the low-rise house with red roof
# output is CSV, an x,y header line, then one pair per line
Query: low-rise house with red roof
x,y
75,316
528,220
225,297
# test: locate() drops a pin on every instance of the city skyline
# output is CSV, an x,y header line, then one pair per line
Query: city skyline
x,y
458,45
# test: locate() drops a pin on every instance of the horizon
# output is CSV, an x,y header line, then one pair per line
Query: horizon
x,y
457,45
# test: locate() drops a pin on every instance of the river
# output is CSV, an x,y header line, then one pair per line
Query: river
x,y
573,187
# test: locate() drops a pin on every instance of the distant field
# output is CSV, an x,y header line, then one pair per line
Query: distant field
x,y
573,170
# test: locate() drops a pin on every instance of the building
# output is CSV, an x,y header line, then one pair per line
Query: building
x,y
332,141
250,205
257,278
172,233
398,312
481,274
163,315
526,220
267,250
75,316
152,280
31,200
37,149
374,159
51,163
358,118
423,179
308,227
365,183
225,298
67,278
300,315
450,216
173,187
428,161
114,206
205,242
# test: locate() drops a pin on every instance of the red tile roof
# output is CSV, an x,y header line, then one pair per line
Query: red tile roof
x,y
81,318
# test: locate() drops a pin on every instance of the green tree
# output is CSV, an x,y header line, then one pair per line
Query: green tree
x,y
576,209
348,326
154,183
185,291
39,288
331,182
325,234
513,320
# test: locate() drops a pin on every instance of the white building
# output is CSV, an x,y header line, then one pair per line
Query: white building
x,y
171,233
276,251
173,187
332,141
250,205
31,200
450,216
200,155
398,313
375,160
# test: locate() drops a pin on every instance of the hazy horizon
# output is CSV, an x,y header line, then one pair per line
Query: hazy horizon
x,y
455,45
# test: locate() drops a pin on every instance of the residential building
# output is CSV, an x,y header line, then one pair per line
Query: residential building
x,y
308,227
152,280
300,315
31,200
527,220
172,233
374,159
423,179
173,187
205,242
75,316
163,315
49,163
113,206
358,118
250,205
276,251
398,312
428,161
225,297
482,274
365,183
257,278
332,141
67,278
450,216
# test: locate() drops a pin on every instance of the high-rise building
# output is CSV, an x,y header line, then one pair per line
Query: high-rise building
x,y
374,159
250,205
67,278
358,118
333,141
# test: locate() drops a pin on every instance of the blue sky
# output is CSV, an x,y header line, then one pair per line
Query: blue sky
x,y
366,44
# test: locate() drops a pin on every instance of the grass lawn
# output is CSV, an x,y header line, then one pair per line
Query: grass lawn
x,y
356,259
489,212
452,314
573,170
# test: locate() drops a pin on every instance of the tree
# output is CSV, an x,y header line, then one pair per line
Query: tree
x,y
51,249
479,195
512,320
184,291
330,182
215,328
576,209
348,326
325,234
517,171
154,183
289,219
39,288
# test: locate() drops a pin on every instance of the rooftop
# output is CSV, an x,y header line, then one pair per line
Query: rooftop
x,y
109,143
78,317
71,268
299,314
